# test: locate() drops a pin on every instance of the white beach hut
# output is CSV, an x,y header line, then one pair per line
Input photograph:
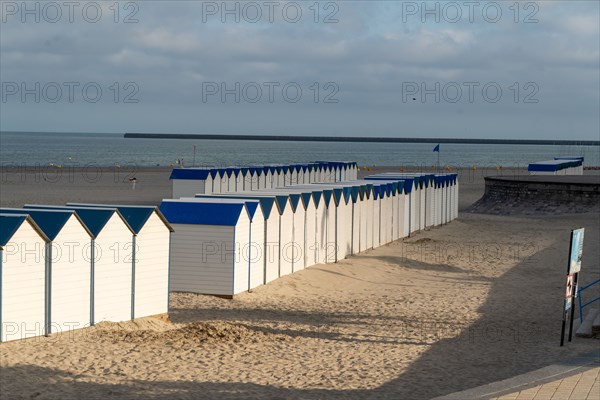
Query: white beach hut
x,y
188,181
22,278
231,179
150,258
293,250
577,167
224,178
251,245
329,247
379,194
206,251
112,255
69,272
270,243
215,178
254,174
268,172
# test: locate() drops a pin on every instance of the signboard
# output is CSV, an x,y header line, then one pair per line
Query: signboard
x,y
569,291
576,251
573,268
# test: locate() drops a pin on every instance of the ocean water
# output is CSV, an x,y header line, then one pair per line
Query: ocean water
x,y
81,149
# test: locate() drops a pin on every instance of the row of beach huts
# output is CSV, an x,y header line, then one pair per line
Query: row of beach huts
x,y
192,181
565,165
69,267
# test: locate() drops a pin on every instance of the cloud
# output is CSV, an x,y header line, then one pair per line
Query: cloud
x,y
370,53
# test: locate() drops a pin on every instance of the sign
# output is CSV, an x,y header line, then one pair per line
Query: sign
x,y
576,251
569,291
573,268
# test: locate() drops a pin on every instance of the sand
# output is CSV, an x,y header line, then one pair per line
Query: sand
x,y
451,308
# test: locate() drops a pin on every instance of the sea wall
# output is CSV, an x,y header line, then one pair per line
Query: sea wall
x,y
539,195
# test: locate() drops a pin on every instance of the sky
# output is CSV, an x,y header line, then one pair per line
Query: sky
x,y
479,69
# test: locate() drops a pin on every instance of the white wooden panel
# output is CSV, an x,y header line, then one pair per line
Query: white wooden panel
x,y
311,234
384,220
438,205
257,250
298,262
269,180
208,185
404,215
152,268
369,220
376,222
422,208
232,183
23,285
254,181
356,227
202,258
395,231
113,272
364,222
187,187
429,202
216,185
241,272
70,291
341,228
286,241
272,248
321,232
330,253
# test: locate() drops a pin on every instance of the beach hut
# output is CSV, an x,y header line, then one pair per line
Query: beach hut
x,y
216,180
556,167
577,167
293,250
278,177
187,182
251,244
287,175
306,237
270,242
23,271
112,255
68,285
206,246
253,175
231,180
376,215
268,172
238,180
329,247
456,193
150,258
331,200
261,178
224,180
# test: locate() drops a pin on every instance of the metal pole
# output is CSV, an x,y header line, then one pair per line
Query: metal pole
x,y
575,278
565,311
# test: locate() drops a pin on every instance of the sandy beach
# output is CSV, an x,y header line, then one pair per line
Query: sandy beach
x,y
448,309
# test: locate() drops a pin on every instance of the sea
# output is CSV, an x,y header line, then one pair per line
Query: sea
x,y
110,149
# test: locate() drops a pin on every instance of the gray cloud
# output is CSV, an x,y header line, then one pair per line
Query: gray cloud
x,y
371,55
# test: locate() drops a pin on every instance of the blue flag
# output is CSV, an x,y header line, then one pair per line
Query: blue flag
x,y
437,148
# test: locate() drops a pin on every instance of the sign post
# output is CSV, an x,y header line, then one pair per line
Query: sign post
x,y
573,268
